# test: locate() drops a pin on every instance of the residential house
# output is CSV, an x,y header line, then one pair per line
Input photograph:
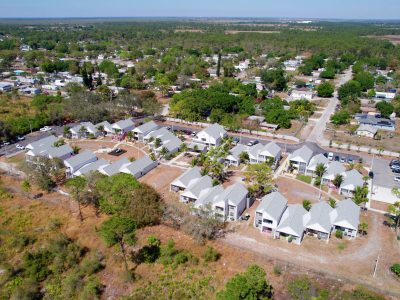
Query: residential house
x,y
167,139
314,162
84,130
105,128
300,158
211,136
233,159
123,127
44,142
92,167
302,94
231,203
346,218
141,131
115,167
259,153
334,168
319,221
366,130
186,179
388,96
269,212
140,167
76,162
292,224
376,121
50,151
195,191
351,180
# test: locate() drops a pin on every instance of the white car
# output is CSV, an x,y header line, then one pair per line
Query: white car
x,y
330,156
20,147
396,178
45,128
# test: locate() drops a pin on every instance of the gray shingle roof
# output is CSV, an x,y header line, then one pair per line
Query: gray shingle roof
x,y
347,214
234,194
293,220
45,142
187,178
58,152
107,126
367,127
124,124
210,197
320,217
137,167
317,159
237,150
79,159
115,167
199,188
146,127
91,167
215,130
273,205
303,154
334,168
352,179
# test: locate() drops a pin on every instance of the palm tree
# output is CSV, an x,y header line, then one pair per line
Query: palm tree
x,y
76,149
157,143
307,205
394,209
129,136
244,157
332,203
320,170
362,228
338,180
67,132
360,195
164,151
101,129
82,131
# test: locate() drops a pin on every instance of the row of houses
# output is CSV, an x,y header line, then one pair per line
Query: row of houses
x,y
86,162
258,153
304,162
277,219
226,203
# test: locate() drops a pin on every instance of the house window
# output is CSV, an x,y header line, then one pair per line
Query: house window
x,y
267,221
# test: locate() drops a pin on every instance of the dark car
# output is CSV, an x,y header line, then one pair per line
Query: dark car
x,y
394,162
337,158
371,174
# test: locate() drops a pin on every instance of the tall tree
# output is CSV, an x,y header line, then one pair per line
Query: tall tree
x,y
77,187
119,231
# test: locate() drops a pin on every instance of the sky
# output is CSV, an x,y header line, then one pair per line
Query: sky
x,y
325,9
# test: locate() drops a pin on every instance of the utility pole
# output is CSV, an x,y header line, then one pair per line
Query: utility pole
x,y
376,263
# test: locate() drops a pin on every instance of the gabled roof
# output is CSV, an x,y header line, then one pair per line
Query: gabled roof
x,y
79,159
215,130
168,139
293,220
57,152
90,127
138,166
200,188
352,179
115,167
146,127
236,151
107,126
368,128
319,217
123,124
303,154
271,150
347,214
273,205
316,160
91,167
187,178
234,194
334,168
255,150
210,197
45,142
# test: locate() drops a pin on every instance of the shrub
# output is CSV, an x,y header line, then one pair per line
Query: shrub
x,y
317,181
277,270
339,234
211,254
26,186
395,269
300,288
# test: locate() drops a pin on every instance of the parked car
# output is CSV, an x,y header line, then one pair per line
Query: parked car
x,y
336,158
20,138
330,156
396,178
394,162
20,147
371,174
252,143
350,160
395,169
45,129
6,143
343,159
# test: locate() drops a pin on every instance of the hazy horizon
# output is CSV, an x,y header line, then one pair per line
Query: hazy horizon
x,y
289,9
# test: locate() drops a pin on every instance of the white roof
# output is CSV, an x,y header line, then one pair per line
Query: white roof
x,y
215,130
272,206
45,142
347,214
187,178
303,154
293,220
316,160
319,217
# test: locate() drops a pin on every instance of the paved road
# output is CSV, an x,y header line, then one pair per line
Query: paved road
x,y
317,134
